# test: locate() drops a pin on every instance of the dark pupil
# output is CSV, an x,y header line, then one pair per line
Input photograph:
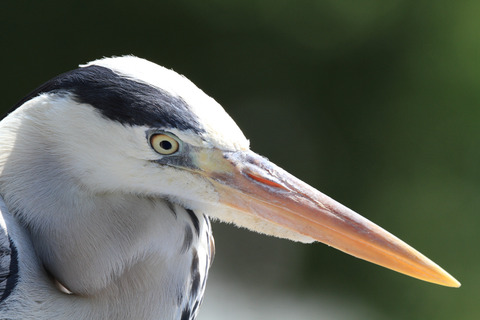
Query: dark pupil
x,y
166,145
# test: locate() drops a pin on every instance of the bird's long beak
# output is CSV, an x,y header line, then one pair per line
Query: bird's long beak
x,y
253,185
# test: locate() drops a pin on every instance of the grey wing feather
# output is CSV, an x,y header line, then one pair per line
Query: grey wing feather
x,y
8,258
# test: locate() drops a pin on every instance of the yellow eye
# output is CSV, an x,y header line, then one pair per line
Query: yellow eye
x,y
164,144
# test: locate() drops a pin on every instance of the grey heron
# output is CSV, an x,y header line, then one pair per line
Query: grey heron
x,y
109,175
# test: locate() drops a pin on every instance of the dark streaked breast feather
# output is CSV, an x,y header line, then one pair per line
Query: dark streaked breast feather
x,y
8,265
195,222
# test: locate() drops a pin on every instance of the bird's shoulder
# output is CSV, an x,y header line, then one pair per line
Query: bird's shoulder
x,y
8,256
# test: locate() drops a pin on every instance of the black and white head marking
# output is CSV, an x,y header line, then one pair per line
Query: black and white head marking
x,y
122,99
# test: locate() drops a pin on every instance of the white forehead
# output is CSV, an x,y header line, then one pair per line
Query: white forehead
x,y
222,131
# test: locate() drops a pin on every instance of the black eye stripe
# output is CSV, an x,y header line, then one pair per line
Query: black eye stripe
x,y
121,99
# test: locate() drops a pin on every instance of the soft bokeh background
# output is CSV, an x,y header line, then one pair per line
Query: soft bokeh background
x,y
374,102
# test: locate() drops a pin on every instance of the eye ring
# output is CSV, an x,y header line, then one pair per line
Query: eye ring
x,y
164,144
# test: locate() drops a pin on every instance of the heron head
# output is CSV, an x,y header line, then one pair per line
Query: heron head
x,y
130,126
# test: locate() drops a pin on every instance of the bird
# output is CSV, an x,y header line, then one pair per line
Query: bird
x,y
109,176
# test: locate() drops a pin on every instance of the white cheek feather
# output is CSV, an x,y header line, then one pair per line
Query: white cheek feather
x,y
222,131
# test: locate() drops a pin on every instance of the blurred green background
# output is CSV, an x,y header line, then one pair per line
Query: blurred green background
x,y
374,102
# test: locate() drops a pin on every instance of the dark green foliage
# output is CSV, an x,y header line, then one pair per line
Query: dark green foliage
x,y
376,104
